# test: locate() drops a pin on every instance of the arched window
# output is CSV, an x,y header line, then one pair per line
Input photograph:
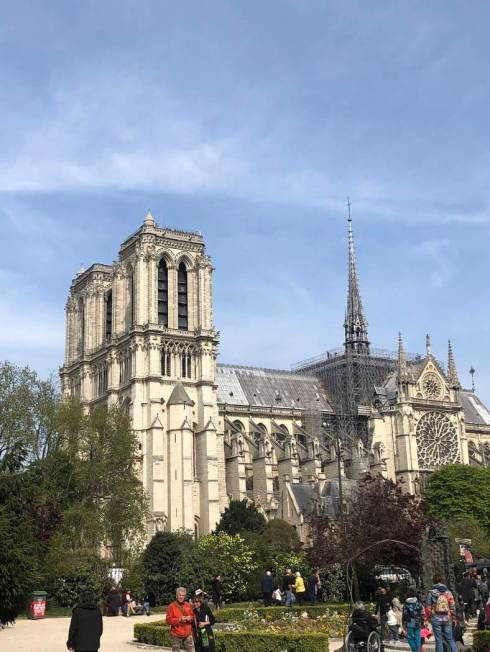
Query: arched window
x,y
239,425
186,362
108,316
165,363
81,316
163,293
132,300
182,297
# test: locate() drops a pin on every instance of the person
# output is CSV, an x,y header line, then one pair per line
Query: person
x,y
204,621
180,617
413,619
287,586
216,591
312,583
277,597
397,608
113,602
85,626
124,603
466,590
392,623
131,604
383,603
299,588
147,604
363,623
267,587
442,606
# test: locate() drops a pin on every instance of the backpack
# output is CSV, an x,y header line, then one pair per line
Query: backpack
x,y
442,604
413,613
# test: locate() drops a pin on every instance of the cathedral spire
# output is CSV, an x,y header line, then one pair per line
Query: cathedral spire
x,y
355,325
402,360
452,373
149,219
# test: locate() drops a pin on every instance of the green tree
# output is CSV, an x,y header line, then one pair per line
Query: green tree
x,y
220,554
468,528
162,563
456,490
241,515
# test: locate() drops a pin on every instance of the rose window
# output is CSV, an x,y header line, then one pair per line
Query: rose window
x,y
432,386
437,441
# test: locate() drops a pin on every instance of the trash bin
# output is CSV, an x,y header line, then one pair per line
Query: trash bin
x,y
37,605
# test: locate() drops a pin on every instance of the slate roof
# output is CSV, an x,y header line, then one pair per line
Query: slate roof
x,y
474,410
179,396
305,495
269,388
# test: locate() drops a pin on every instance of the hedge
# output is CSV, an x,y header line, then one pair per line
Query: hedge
x,y
236,614
158,634
481,641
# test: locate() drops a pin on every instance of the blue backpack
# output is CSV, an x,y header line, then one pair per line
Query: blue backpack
x,y
413,614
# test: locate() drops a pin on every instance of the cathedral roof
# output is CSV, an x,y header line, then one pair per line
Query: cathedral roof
x,y
269,388
474,410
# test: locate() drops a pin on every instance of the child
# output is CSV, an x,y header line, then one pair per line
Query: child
x,y
277,597
392,623
413,619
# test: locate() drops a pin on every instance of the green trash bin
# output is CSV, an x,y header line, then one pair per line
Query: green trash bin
x,y
37,605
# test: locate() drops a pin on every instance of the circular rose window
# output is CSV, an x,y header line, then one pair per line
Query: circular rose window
x,y
437,441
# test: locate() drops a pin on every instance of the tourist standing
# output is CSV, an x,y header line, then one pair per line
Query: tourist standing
x,y
392,623
277,597
85,625
113,602
180,617
287,586
312,587
383,603
441,602
412,619
267,586
204,621
147,604
216,591
466,590
299,587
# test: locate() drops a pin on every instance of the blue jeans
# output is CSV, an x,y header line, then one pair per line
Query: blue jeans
x,y
289,598
413,638
443,629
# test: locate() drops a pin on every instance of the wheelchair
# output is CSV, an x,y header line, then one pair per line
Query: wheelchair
x,y
362,641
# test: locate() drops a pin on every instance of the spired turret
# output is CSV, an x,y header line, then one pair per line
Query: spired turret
x,y
355,325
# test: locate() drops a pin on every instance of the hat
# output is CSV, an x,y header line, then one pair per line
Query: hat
x,y
198,592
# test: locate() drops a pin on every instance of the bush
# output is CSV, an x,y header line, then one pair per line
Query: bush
x,y
237,614
481,641
159,634
161,564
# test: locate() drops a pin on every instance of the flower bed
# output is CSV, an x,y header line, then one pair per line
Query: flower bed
x,y
158,633
238,614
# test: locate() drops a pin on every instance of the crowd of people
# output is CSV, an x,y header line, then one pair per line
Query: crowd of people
x,y
125,603
439,614
291,589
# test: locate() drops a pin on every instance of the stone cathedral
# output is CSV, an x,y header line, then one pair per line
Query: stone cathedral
x,y
140,333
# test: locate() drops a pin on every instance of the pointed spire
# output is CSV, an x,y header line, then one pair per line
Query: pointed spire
x,y
427,344
149,219
452,373
355,325
402,360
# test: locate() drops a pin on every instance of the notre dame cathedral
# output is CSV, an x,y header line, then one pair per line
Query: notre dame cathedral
x,y
140,333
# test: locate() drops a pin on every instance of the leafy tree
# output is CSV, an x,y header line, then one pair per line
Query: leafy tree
x,y
280,537
220,554
456,490
466,527
241,515
162,563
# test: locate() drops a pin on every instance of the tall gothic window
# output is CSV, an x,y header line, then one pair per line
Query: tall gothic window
x,y
81,314
163,293
166,363
182,297
108,316
186,364
132,300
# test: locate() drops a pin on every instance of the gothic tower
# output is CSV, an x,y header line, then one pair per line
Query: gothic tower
x,y
140,333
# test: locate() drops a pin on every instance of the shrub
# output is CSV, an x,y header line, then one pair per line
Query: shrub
x,y
159,634
162,561
238,614
481,641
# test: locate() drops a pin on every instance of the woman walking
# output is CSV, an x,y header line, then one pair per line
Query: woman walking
x,y
413,619
204,621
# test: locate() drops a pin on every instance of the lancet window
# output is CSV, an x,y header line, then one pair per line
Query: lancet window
x,y
186,364
132,300
126,367
163,293
182,309
166,363
108,316
81,333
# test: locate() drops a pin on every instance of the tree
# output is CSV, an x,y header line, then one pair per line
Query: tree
x,y
280,537
241,515
378,510
220,554
456,490
466,527
162,562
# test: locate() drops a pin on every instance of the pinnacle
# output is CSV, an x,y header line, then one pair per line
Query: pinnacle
x,y
452,372
149,219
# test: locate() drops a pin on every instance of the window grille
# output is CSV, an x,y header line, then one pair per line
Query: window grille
x,y
182,310
163,293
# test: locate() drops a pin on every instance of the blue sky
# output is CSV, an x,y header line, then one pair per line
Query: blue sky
x,y
251,122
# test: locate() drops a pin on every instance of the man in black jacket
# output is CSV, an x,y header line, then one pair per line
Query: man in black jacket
x,y
267,586
113,602
85,626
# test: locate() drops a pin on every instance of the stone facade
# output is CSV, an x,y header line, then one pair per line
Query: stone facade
x,y
140,333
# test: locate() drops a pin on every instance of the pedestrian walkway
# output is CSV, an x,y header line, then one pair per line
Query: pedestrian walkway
x,y
50,634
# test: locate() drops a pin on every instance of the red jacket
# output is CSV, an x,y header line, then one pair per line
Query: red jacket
x,y
175,612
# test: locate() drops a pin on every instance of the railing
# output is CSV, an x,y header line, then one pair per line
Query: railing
x,y
340,351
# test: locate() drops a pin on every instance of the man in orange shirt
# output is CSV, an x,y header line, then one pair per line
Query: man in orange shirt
x,y
180,617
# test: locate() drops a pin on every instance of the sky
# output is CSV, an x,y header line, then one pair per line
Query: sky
x,y
251,122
